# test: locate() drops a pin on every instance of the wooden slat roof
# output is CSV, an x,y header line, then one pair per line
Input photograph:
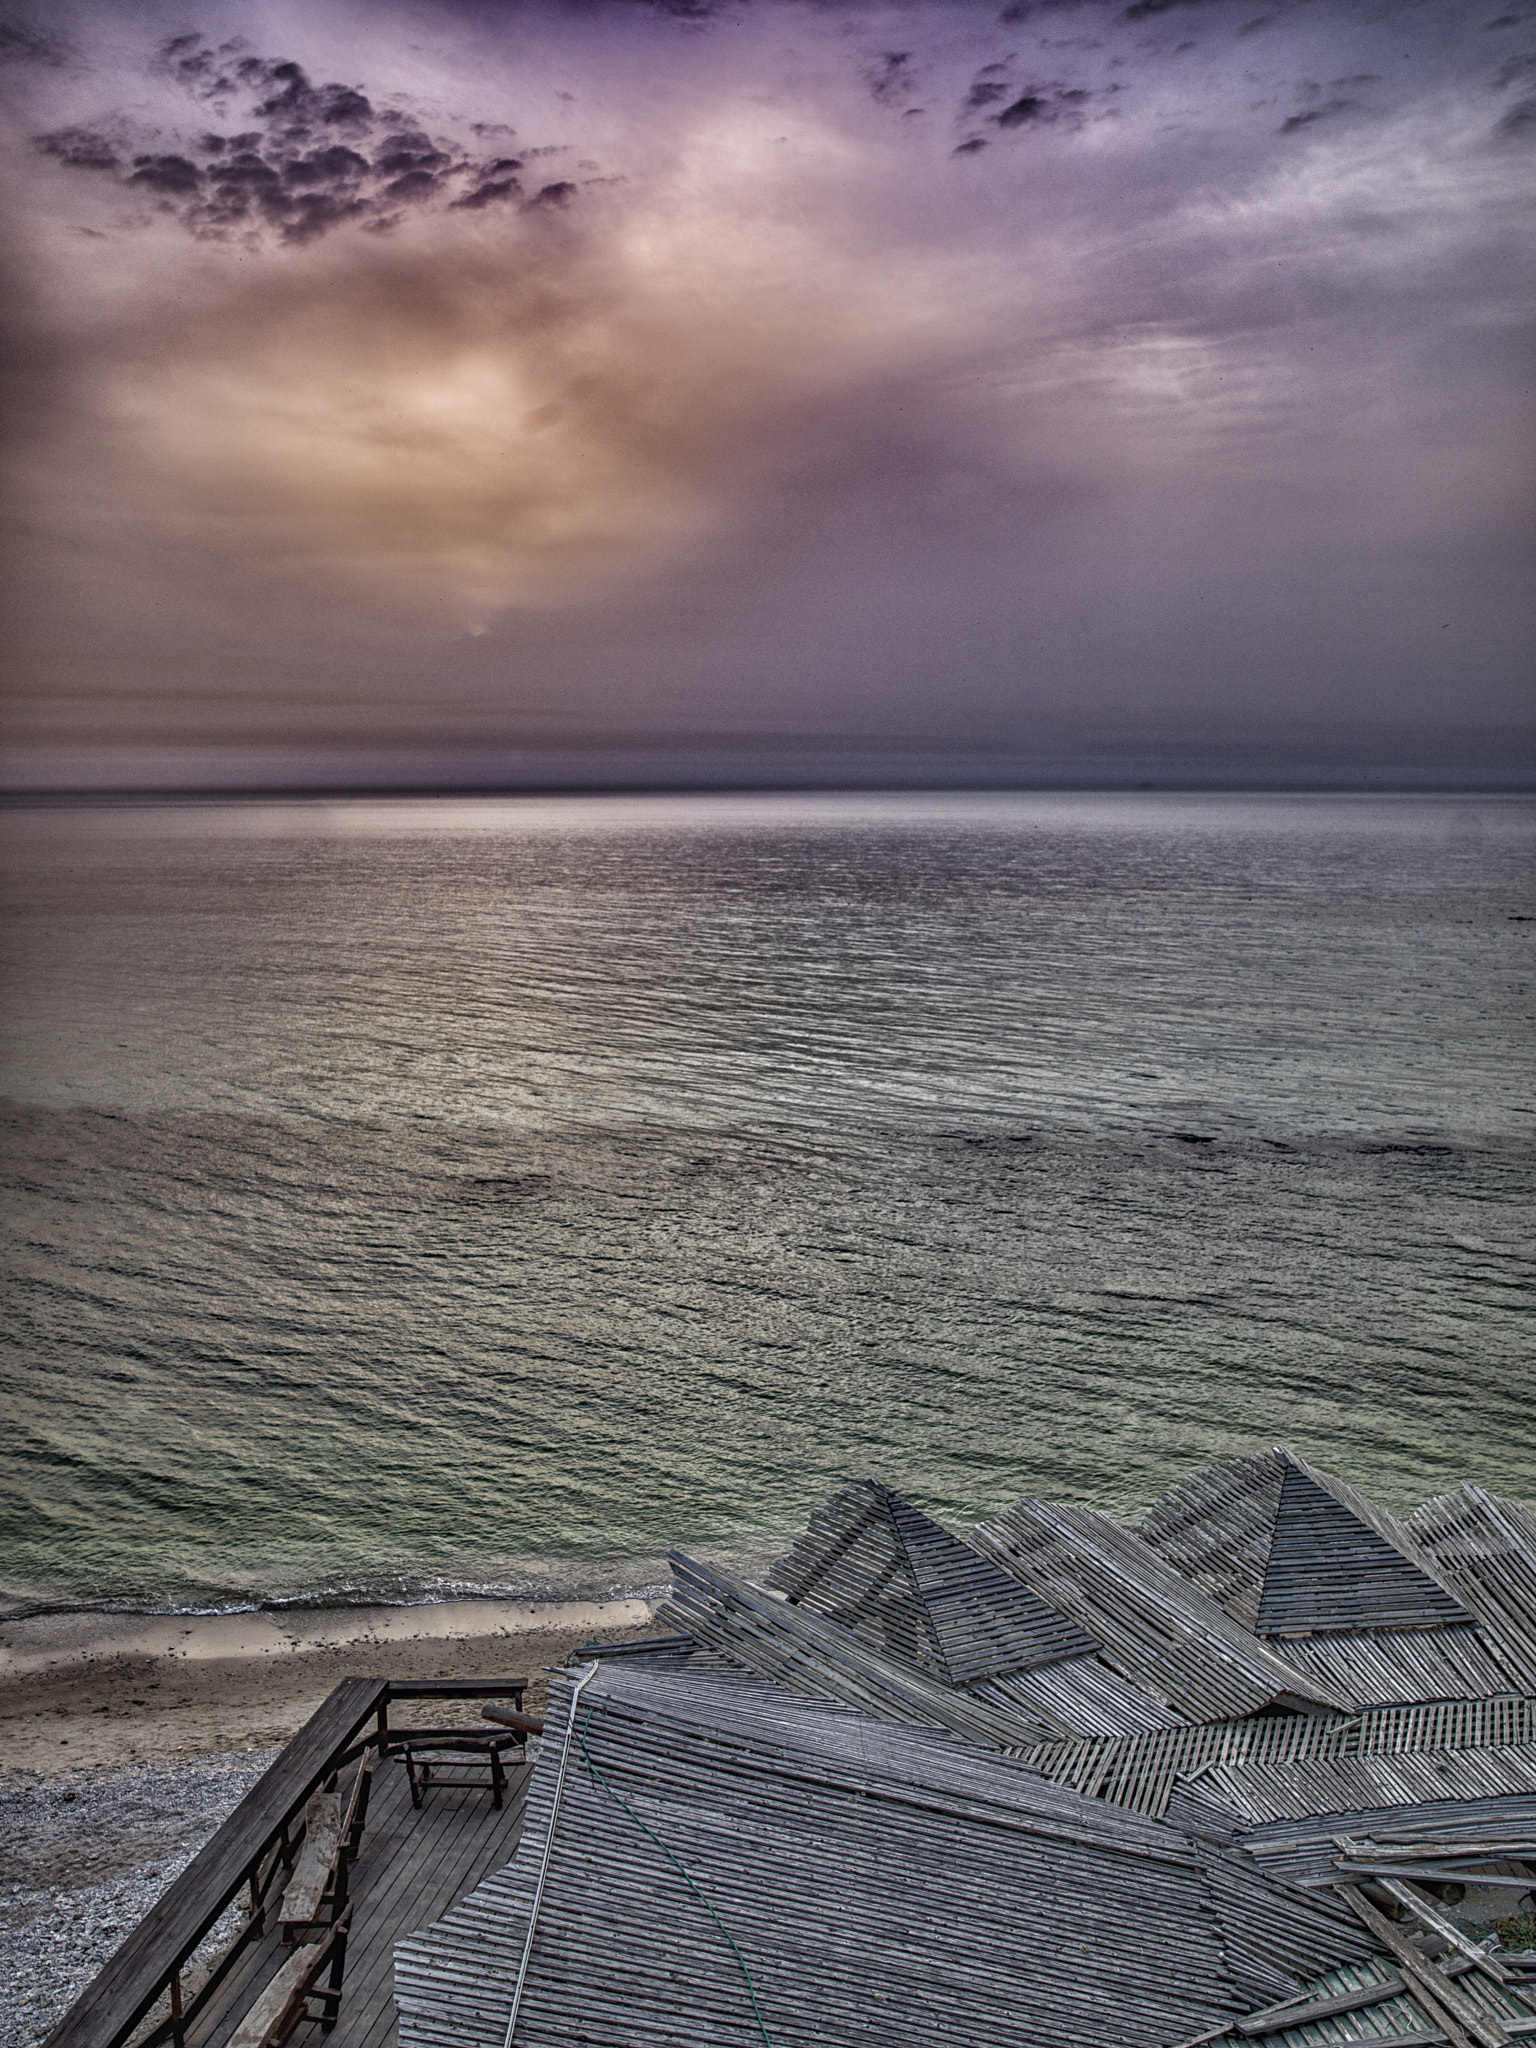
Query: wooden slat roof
x,y
1329,1568
880,1567
1150,1622
809,1654
1484,1549
883,1883
1288,1550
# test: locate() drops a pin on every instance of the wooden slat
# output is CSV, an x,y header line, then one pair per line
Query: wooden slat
x,y
1330,1568
1448,2007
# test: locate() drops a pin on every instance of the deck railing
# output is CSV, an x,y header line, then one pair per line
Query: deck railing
x,y
246,1857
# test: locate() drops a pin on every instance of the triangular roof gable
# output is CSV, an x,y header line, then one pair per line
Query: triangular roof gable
x,y
1215,1527
852,1566
985,1623
1329,1569
878,1566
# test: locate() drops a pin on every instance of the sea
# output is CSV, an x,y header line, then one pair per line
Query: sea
x,y
417,1199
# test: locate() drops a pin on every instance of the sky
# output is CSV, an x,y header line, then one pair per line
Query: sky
x,y
725,391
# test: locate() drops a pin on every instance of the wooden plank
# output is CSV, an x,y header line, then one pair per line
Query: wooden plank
x,y
419,1866
115,2000
412,1868
1423,1911
456,1688
1451,2009
1463,1852
281,2006
316,1861
1295,2012
1435,1873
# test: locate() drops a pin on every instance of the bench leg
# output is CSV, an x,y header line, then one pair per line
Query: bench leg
x,y
498,1779
330,1998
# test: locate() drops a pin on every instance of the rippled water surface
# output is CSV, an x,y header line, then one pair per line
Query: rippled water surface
x,y
414,1197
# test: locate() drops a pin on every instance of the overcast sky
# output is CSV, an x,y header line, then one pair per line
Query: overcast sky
x,y
468,393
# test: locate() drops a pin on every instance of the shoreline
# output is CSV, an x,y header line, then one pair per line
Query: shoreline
x,y
85,1690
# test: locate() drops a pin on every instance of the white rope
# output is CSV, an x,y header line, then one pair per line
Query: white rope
x,y
549,1842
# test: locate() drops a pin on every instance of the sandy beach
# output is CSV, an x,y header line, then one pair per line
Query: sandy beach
x,y
79,1691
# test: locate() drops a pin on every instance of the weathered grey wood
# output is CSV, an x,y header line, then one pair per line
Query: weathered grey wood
x,y
876,1566
1461,2021
507,1719
1436,1873
1154,1626
1484,1549
316,1863
1304,2012
414,1866
1424,1912
283,2003
1465,1852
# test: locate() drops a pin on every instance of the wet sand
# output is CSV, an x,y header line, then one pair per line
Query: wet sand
x,y
82,1691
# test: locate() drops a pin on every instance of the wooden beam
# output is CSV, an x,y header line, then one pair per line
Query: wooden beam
x,y
1444,2004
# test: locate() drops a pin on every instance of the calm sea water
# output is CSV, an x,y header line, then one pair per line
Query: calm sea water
x,y
410,1199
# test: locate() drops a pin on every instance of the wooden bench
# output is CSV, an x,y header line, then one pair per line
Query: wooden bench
x,y
333,1826
284,2003
459,1756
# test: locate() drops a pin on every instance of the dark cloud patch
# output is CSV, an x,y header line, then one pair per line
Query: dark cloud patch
x,y
316,213
1504,21
166,174
410,153
1144,10
83,149
200,69
1519,122
326,166
21,43
1312,115
283,94
498,188
413,186
988,87
1034,106
1042,106
314,157
891,78
1511,73
300,107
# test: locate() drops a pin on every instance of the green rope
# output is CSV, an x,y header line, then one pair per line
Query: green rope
x,y
597,1778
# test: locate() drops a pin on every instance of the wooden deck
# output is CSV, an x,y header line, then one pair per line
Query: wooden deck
x,y
412,1866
